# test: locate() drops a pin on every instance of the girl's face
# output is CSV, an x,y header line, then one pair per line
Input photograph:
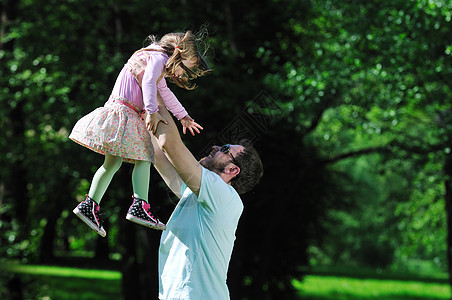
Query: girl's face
x,y
188,64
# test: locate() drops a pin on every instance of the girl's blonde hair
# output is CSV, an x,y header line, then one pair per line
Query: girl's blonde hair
x,y
181,46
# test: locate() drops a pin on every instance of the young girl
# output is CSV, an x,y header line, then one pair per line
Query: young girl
x,y
118,129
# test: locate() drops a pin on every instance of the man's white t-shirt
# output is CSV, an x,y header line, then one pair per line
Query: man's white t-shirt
x,y
196,247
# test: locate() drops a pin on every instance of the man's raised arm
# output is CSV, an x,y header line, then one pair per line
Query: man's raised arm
x,y
169,140
166,169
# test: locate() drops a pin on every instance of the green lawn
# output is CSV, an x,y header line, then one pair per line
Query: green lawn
x,y
51,282
346,288
62,271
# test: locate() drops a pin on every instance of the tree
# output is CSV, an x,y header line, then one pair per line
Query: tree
x,y
373,78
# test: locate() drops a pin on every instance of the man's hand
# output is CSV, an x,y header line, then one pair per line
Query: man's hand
x,y
188,122
152,121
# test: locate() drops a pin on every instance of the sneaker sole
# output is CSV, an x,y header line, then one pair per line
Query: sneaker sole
x,y
145,223
88,222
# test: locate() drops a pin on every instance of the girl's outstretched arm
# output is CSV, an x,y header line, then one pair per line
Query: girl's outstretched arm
x,y
190,124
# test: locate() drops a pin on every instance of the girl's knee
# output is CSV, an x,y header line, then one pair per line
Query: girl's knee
x,y
142,164
112,163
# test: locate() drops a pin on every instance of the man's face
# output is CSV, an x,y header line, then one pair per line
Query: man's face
x,y
219,158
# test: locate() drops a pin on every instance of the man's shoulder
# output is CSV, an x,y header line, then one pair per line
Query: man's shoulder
x,y
213,180
217,194
211,177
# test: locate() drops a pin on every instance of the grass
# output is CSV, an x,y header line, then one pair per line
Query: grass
x,y
62,271
52,282
361,283
51,287
347,288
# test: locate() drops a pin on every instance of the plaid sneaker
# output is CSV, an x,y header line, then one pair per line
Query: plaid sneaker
x,y
140,212
88,212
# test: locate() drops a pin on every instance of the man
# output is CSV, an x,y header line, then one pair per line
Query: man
x,y
196,247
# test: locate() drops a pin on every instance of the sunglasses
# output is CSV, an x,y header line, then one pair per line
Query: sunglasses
x,y
190,73
226,150
201,68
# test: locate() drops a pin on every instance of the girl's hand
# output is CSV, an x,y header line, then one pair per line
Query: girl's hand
x,y
188,122
152,121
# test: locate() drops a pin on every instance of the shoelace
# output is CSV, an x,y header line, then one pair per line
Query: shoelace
x,y
148,209
97,214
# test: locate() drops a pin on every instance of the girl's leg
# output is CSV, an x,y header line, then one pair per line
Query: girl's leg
x,y
103,177
140,179
140,211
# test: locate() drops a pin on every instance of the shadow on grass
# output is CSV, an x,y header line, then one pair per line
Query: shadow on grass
x,y
81,288
354,297
68,288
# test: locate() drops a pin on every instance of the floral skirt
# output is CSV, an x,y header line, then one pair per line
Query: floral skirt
x,y
117,129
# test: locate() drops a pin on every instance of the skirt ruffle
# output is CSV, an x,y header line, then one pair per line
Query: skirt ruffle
x,y
115,129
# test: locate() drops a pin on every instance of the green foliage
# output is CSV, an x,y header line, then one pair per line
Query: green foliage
x,y
372,78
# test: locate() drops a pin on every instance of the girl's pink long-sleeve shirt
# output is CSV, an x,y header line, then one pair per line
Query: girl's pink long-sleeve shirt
x,y
145,98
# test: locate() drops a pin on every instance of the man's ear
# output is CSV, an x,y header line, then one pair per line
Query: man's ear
x,y
233,170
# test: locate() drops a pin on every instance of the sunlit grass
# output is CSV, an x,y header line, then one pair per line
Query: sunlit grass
x,y
52,282
329,287
62,271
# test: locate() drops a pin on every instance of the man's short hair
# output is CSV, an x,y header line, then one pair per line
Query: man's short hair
x,y
251,168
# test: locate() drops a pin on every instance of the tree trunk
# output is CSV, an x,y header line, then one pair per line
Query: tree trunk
x,y
149,241
17,185
448,201
18,181
15,288
102,249
48,239
131,287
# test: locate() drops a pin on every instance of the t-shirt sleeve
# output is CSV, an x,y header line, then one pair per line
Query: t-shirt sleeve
x,y
214,194
183,187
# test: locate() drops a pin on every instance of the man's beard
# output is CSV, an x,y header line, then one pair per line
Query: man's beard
x,y
213,165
